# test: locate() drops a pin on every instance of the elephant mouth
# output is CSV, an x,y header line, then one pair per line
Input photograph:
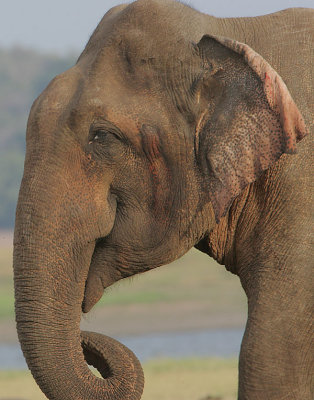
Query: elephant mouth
x,y
100,276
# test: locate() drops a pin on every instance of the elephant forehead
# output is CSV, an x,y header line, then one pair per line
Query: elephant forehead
x,y
109,98
144,28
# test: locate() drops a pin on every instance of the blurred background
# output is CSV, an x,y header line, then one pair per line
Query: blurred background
x,y
184,321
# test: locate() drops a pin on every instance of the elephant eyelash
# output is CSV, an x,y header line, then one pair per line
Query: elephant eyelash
x,y
101,135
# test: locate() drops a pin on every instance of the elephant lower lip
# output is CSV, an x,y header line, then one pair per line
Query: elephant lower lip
x,y
94,290
97,281
94,287
102,273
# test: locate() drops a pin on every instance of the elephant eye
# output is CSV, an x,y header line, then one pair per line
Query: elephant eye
x,y
106,142
99,135
102,136
104,132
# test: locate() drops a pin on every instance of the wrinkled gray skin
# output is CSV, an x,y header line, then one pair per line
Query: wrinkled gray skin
x,y
169,134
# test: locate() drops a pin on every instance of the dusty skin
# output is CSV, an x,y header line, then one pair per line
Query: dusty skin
x,y
173,130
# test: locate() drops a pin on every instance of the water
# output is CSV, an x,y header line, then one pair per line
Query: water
x,y
211,343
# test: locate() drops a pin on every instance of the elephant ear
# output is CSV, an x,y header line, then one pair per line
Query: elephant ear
x,y
249,121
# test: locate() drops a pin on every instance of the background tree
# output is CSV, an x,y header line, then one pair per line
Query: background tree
x,y
23,75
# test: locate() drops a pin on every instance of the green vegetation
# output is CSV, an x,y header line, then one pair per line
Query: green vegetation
x,y
190,379
194,277
6,284
23,75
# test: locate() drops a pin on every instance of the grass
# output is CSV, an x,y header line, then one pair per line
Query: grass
x,y
194,277
190,379
6,283
165,379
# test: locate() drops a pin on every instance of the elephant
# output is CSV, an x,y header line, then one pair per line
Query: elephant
x,y
173,130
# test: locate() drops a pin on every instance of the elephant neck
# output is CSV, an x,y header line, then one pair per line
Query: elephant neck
x,y
221,242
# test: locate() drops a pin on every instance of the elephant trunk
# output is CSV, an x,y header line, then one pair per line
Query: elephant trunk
x,y
49,277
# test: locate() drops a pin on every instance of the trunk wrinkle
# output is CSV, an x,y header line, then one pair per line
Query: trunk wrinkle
x,y
49,293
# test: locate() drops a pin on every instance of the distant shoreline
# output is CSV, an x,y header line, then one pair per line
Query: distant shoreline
x,y
141,319
6,237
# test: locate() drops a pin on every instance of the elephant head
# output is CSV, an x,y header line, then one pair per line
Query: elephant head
x,y
133,156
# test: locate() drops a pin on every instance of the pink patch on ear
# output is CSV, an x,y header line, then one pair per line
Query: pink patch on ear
x,y
276,91
281,102
268,85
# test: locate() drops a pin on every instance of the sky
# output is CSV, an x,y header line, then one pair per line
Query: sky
x,y
60,26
